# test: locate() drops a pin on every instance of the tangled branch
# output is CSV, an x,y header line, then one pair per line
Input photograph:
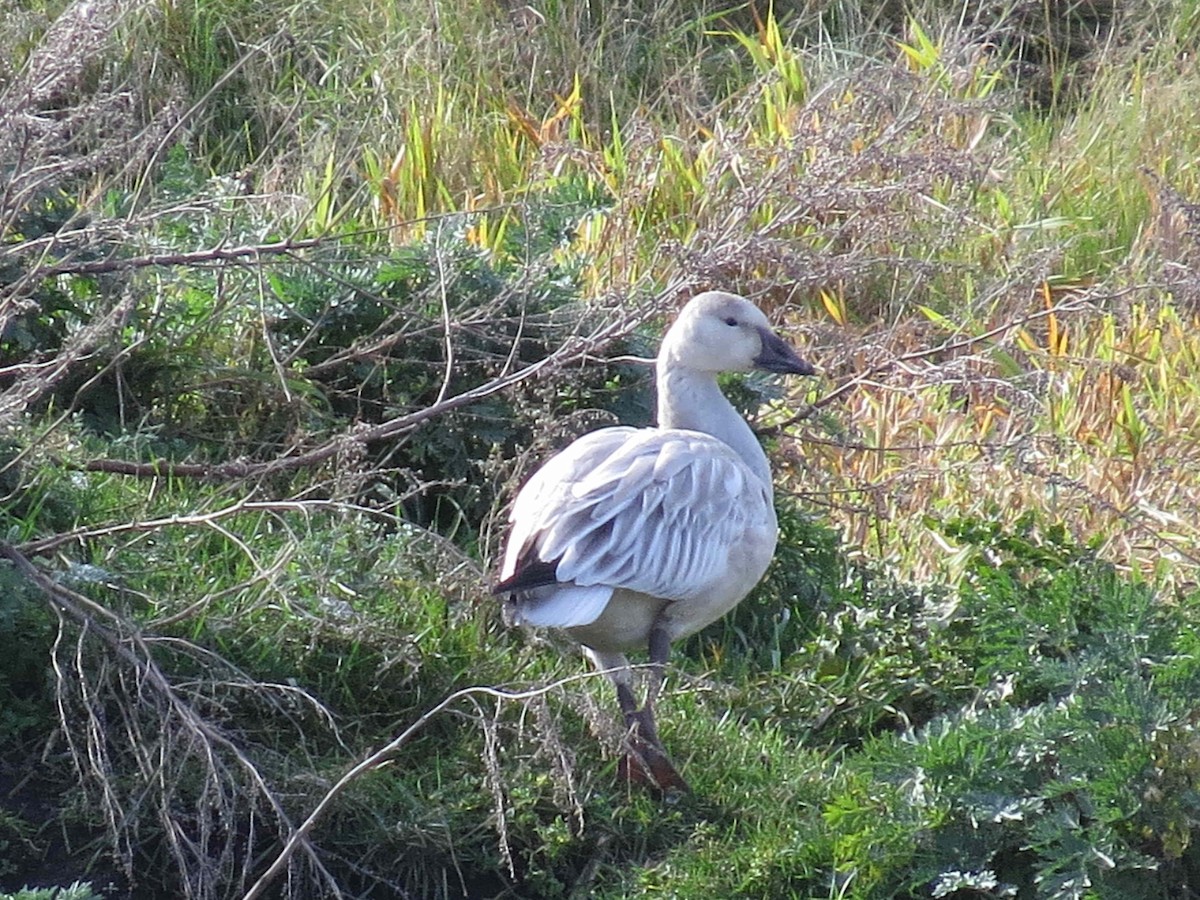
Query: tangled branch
x,y
299,836
173,742
569,353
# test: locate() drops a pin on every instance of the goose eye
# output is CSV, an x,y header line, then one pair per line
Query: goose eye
x,y
730,320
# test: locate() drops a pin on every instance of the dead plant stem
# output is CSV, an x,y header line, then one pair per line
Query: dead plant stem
x,y
378,758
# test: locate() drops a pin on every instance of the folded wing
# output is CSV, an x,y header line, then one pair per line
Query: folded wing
x,y
647,510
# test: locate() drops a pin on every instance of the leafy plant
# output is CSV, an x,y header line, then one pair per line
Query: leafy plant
x,y
249,273
76,891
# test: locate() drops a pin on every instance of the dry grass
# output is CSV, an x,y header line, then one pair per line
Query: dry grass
x,y
1092,434
124,714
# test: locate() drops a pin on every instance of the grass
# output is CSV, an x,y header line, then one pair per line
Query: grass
x,y
291,299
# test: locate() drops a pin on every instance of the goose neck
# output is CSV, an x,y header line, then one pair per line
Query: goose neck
x,y
691,399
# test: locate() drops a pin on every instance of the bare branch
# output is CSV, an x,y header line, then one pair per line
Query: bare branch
x,y
570,352
299,836
128,645
194,258
942,349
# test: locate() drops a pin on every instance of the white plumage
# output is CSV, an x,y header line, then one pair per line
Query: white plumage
x,y
635,537
656,512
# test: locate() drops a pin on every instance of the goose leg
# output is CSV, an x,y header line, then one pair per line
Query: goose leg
x,y
617,667
660,650
647,761
635,719
641,721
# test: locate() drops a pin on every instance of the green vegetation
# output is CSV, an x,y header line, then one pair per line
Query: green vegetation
x,y
76,891
293,297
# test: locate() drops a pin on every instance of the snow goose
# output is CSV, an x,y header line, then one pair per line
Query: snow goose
x,y
631,538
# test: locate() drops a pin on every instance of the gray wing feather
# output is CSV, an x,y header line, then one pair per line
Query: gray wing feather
x,y
647,510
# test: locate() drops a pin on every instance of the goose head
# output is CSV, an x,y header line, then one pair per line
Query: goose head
x,y
720,332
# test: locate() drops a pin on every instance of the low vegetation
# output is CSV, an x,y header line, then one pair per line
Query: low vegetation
x,y
292,299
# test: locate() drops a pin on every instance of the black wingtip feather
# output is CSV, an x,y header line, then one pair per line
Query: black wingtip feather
x,y
531,573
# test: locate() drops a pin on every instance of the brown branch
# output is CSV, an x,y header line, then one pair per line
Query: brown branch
x,y
570,352
192,258
117,635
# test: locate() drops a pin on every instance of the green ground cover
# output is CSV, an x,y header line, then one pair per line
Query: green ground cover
x,y
292,298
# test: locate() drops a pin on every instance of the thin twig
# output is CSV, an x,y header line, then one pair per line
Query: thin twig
x,y
570,352
97,620
951,346
379,757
